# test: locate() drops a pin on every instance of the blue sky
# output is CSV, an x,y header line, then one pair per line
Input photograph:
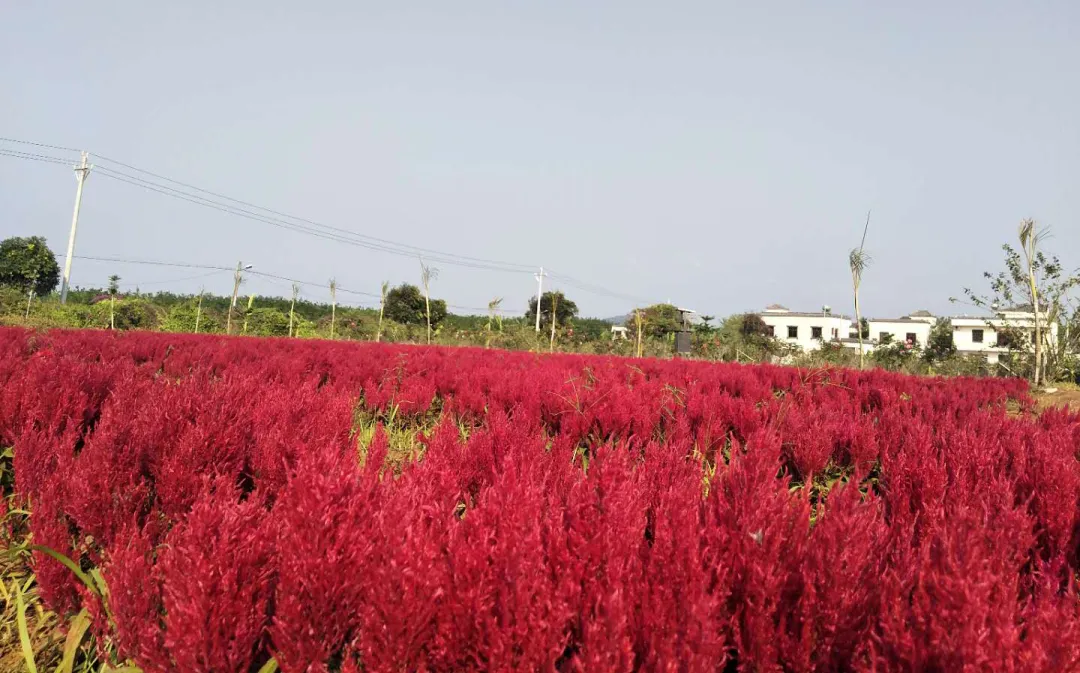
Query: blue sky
x,y
719,155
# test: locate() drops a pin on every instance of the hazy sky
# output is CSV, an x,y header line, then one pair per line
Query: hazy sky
x,y
720,155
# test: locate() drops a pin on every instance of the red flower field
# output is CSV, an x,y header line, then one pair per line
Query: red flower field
x,y
364,507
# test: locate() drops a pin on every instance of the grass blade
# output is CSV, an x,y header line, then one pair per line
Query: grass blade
x,y
78,629
70,565
24,632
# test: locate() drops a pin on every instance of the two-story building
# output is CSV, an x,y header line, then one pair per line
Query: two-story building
x,y
996,334
913,329
806,330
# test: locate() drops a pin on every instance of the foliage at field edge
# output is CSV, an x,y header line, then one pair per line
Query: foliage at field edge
x,y
344,507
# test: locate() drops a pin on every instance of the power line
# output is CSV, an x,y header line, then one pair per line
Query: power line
x,y
175,280
351,239
261,274
415,250
31,157
149,262
296,224
45,145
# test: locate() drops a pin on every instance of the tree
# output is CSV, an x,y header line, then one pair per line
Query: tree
x,y
29,265
292,307
660,320
427,274
333,306
1030,238
405,304
864,328
1040,280
704,327
858,260
940,345
494,313
565,309
114,289
383,289
753,326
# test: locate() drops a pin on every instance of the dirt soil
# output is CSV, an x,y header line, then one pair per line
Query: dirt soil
x,y
1064,396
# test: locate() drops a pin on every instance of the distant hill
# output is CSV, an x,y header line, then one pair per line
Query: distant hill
x,y
617,320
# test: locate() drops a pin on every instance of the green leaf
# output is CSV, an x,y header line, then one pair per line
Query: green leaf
x,y
79,625
24,632
269,667
70,565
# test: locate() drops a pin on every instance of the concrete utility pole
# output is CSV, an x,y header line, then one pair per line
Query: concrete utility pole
x,y
81,173
237,277
539,295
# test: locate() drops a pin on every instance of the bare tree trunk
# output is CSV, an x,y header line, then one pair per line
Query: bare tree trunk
x,y
858,321
292,307
382,308
554,319
333,307
198,313
29,299
247,314
639,321
1029,238
427,311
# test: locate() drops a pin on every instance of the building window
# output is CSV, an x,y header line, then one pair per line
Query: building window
x,y
815,333
977,336
793,331
772,330
911,338
835,333
884,337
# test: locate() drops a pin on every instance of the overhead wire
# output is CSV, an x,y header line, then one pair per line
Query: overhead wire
x,y
403,248
32,156
251,211
292,226
37,144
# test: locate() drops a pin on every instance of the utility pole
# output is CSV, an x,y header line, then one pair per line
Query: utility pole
x,y
81,172
539,295
237,277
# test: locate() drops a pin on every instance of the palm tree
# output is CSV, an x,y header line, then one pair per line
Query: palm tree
x,y
858,260
198,311
427,274
554,318
1030,237
493,312
333,306
114,289
247,313
382,308
292,307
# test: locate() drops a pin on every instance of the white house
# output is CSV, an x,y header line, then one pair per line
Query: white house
x,y
988,335
914,329
806,330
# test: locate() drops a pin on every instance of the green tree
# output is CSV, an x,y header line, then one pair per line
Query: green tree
x,y
565,309
659,320
183,318
28,264
405,304
1040,281
268,322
